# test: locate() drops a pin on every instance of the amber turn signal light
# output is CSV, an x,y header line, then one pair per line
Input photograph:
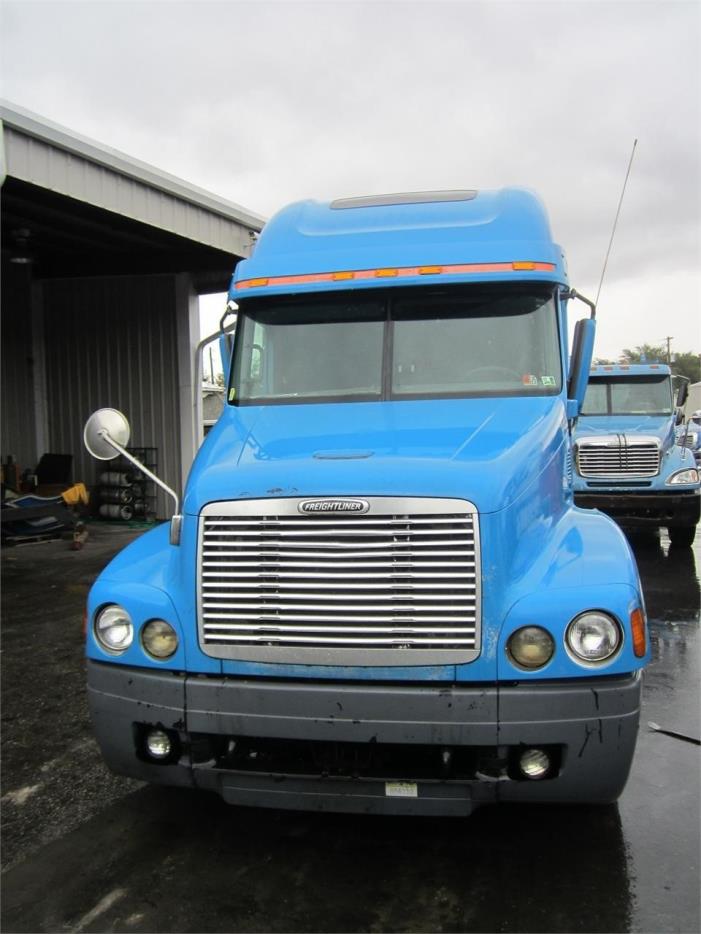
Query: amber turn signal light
x,y
637,625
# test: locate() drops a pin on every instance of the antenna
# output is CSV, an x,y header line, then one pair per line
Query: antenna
x,y
615,222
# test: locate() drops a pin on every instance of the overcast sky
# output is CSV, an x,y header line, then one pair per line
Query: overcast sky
x,y
265,103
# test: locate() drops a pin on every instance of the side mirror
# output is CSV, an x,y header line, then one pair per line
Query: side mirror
x,y
103,424
226,339
582,352
682,393
226,347
106,435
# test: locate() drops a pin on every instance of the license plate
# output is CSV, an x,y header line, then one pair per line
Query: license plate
x,y
401,790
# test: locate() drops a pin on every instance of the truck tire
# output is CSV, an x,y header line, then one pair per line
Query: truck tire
x,y
682,535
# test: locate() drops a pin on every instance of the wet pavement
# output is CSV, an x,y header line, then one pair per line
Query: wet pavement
x,y
87,851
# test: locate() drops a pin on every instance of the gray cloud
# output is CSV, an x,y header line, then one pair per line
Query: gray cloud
x,y
268,102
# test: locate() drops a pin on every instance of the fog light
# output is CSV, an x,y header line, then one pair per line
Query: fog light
x,y
534,763
158,744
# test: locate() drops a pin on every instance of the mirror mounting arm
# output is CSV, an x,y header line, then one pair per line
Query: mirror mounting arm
x,y
573,293
177,519
229,311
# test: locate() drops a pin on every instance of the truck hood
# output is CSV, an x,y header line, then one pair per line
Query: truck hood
x,y
658,426
485,450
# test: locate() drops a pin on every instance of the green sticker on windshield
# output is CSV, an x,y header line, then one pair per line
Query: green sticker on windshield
x,y
548,380
232,394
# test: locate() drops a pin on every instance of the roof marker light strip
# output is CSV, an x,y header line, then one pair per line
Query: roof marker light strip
x,y
395,272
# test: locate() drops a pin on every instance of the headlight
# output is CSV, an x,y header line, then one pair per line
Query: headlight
x,y
159,638
690,475
593,637
530,647
113,629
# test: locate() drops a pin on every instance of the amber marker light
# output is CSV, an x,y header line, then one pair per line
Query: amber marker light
x,y
396,272
637,625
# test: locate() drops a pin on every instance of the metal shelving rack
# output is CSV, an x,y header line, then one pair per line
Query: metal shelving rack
x,y
123,492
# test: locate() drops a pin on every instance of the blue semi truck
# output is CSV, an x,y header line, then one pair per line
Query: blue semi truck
x,y
689,435
379,595
631,461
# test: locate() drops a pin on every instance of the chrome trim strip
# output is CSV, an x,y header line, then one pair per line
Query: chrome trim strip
x,y
404,590
362,523
401,643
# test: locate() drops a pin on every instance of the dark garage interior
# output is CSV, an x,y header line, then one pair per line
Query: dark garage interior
x,y
103,261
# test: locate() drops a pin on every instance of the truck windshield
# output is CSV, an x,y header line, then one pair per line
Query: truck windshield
x,y
454,343
644,395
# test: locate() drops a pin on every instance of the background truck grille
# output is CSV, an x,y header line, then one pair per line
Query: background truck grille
x,y
403,578
618,457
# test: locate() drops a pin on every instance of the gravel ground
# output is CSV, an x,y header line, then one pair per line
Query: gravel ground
x,y
53,775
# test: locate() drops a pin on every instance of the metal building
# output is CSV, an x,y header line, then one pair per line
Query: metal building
x,y
103,259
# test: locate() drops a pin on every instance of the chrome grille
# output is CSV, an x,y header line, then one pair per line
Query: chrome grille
x,y
618,457
400,584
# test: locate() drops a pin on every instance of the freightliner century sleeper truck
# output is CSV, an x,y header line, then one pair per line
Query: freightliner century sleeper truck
x,y
628,459
379,595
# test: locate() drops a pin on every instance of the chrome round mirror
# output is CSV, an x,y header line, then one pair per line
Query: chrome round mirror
x,y
116,426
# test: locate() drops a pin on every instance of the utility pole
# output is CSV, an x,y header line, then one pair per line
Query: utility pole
x,y
669,353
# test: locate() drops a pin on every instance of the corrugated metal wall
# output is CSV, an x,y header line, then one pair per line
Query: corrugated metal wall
x,y
112,342
18,425
102,178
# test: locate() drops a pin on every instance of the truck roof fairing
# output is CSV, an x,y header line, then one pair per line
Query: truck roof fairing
x,y
403,239
626,370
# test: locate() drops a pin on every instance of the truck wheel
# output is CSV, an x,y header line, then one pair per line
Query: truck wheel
x,y
682,535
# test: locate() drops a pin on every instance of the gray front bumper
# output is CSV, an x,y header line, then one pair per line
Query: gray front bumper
x,y
593,721
643,509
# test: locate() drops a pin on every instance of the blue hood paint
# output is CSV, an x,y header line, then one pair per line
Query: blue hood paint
x,y
658,425
475,449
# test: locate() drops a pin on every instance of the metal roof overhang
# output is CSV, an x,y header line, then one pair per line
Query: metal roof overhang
x,y
72,208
